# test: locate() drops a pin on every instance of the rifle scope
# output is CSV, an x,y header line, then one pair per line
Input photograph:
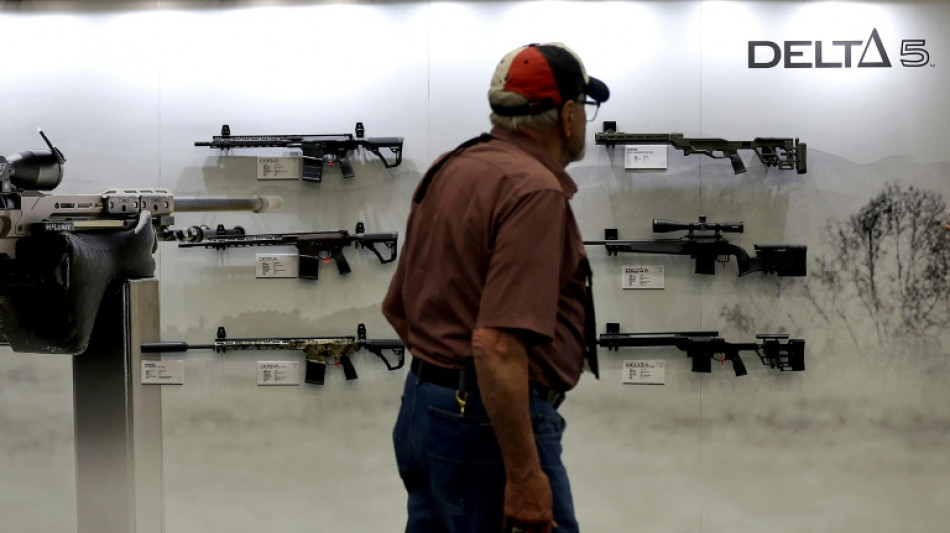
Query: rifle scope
x,y
38,170
665,225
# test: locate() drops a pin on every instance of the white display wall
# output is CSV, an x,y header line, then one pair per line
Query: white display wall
x,y
856,443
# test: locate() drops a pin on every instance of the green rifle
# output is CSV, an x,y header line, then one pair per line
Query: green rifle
x,y
780,152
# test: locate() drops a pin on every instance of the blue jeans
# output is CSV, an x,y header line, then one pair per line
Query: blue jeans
x,y
452,467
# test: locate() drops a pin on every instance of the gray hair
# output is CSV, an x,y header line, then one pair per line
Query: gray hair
x,y
544,121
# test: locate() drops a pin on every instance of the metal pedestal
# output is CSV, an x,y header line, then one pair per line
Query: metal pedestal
x,y
119,420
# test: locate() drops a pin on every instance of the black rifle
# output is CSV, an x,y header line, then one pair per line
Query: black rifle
x,y
707,250
58,252
703,347
320,351
317,149
312,247
780,152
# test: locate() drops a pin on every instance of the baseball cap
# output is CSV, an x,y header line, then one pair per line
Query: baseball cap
x,y
547,75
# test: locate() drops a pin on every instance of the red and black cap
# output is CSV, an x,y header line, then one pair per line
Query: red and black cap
x,y
547,75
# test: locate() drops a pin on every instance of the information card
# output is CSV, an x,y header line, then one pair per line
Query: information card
x,y
644,156
642,277
277,265
278,168
644,372
163,372
278,373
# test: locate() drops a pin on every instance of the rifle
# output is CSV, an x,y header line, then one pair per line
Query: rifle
x,y
783,153
313,247
320,351
317,149
707,250
703,347
58,253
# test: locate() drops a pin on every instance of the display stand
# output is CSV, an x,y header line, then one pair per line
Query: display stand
x,y
119,420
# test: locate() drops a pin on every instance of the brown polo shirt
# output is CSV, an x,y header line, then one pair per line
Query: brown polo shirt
x,y
494,244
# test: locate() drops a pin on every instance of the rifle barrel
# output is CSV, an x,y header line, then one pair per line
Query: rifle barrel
x,y
257,204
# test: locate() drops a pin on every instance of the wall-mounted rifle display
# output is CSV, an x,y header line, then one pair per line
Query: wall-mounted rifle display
x,y
703,347
704,243
319,351
332,148
781,152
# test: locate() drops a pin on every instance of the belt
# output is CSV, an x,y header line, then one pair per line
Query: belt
x,y
553,397
455,379
444,377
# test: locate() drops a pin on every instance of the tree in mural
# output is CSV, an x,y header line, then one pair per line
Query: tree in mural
x,y
889,263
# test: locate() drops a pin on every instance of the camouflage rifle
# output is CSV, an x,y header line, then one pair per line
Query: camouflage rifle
x,y
319,351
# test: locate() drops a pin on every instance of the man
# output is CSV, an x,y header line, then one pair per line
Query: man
x,y
492,297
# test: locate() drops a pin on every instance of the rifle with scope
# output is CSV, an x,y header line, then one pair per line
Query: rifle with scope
x,y
780,152
59,252
313,247
708,249
319,351
317,148
775,350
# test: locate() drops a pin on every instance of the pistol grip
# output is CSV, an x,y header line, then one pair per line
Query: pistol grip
x,y
349,371
341,263
737,365
737,165
346,167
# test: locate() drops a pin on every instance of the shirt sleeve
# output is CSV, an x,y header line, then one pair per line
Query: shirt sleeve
x,y
523,279
393,307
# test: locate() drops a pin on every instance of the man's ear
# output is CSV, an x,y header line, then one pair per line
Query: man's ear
x,y
567,117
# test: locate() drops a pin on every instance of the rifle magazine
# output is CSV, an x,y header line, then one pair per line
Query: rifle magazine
x,y
315,372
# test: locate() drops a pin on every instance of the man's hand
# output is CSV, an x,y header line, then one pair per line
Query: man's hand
x,y
501,363
528,504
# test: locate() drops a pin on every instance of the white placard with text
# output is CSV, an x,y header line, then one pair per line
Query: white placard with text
x,y
644,372
277,265
278,373
278,168
642,277
163,372
644,156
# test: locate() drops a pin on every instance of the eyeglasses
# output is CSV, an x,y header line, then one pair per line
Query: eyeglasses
x,y
590,109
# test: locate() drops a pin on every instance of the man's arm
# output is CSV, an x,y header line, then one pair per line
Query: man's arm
x,y
501,363
393,306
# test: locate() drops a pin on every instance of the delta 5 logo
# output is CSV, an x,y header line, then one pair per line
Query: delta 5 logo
x,y
836,54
